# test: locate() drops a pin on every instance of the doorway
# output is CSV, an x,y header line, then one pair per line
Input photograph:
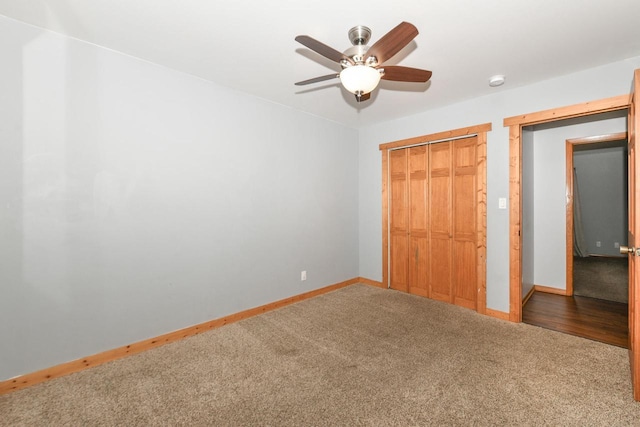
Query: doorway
x,y
516,125
547,222
517,128
594,302
597,223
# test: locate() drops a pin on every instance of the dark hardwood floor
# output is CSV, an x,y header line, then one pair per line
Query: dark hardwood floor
x,y
596,319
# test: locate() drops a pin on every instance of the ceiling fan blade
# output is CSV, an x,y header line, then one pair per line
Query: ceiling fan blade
x,y
323,49
392,42
363,97
397,73
318,79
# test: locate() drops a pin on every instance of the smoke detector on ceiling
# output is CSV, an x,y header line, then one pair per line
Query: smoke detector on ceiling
x,y
497,80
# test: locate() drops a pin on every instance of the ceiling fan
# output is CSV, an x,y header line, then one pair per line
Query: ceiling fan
x,y
362,65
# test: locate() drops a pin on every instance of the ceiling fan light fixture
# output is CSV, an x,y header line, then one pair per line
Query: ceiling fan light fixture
x,y
360,79
362,65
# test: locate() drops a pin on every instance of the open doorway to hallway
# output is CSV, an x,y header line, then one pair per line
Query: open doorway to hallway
x,y
597,211
575,281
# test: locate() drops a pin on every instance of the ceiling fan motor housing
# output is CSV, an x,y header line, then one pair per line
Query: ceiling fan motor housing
x,y
357,53
359,37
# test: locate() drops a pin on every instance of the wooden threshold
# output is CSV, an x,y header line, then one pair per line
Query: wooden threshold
x,y
595,319
57,371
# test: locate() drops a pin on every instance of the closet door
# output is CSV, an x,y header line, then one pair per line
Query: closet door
x,y
436,211
418,221
440,209
464,285
399,219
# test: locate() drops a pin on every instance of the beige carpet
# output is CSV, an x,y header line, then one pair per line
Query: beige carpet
x,y
357,356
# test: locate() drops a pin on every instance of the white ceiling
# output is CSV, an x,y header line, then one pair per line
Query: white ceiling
x,y
249,44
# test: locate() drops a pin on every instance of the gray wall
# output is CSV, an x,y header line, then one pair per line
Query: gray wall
x,y
602,180
137,200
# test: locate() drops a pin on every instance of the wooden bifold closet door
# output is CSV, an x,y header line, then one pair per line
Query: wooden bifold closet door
x,y
433,191
409,222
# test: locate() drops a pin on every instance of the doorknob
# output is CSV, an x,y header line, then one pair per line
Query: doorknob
x,y
627,250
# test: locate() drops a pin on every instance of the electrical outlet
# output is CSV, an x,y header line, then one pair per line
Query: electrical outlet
x,y
598,244
616,245
303,276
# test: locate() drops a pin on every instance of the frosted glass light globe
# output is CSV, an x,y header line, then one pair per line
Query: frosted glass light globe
x,y
360,79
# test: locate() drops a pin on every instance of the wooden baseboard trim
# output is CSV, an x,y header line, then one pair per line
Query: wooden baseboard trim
x,y
549,290
371,282
526,297
57,371
497,314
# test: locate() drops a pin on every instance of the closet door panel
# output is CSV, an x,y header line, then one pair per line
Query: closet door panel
x,y
399,257
464,274
464,226
418,220
440,187
440,220
440,268
399,197
419,266
464,205
399,231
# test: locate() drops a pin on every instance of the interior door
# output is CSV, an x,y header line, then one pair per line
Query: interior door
x,y
634,240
